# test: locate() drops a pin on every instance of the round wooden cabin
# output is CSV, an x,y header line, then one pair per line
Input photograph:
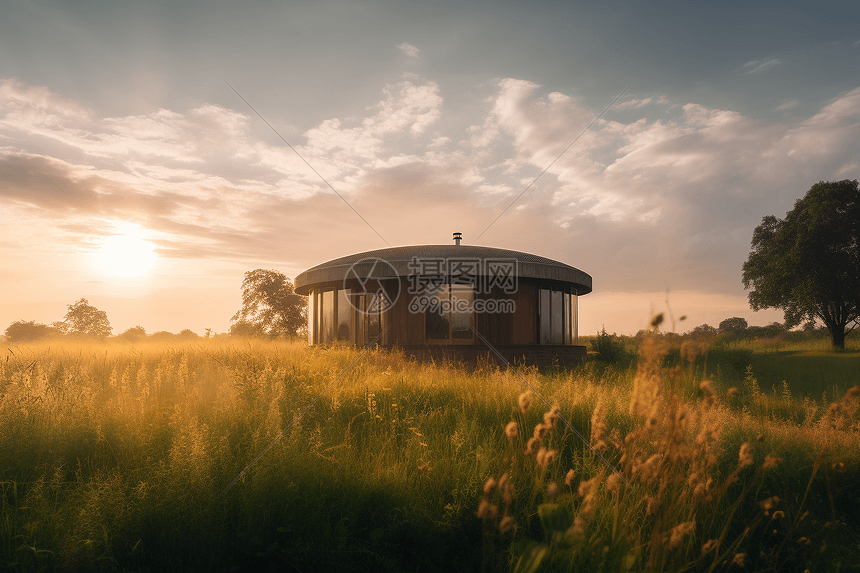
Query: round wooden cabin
x,y
453,301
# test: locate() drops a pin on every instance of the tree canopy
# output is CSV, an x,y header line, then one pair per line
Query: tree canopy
x,y
82,318
24,331
270,305
808,264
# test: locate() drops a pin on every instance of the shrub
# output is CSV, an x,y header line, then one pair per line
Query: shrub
x,y
609,347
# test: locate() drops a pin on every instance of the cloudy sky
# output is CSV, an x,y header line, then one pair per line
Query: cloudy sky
x,y
131,174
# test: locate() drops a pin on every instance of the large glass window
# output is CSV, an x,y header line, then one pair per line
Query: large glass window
x,y
344,316
462,299
327,317
545,316
568,330
449,316
557,317
311,317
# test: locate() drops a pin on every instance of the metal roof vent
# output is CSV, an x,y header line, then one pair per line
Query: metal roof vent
x,y
457,238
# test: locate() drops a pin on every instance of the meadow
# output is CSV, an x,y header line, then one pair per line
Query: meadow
x,y
125,457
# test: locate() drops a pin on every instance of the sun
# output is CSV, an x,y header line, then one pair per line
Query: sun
x,y
126,254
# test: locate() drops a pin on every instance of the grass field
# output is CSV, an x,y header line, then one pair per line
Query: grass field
x,y
121,458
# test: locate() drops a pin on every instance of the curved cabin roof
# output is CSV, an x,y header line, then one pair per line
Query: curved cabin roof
x,y
528,266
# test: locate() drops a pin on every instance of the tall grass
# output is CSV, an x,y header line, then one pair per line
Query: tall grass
x,y
117,457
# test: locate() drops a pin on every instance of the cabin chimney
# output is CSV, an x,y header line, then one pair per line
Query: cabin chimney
x,y
457,238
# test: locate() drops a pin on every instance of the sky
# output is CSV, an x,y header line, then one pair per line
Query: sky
x,y
133,174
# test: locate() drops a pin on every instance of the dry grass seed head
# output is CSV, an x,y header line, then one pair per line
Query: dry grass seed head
x,y
489,486
771,461
598,422
569,477
506,524
508,492
552,491
745,457
709,546
531,445
525,401
487,510
679,532
511,430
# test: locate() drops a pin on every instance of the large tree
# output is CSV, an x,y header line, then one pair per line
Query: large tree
x,y
83,318
808,264
270,304
23,331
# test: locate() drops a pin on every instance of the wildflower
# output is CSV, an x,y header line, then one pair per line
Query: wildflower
x,y
731,392
506,524
745,456
709,546
739,559
552,491
525,400
679,532
489,486
487,510
511,430
770,461
778,514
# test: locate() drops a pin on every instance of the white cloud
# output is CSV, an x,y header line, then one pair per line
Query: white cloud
x,y
681,191
756,66
789,104
408,49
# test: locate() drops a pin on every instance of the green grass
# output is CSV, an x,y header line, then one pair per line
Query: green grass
x,y
119,458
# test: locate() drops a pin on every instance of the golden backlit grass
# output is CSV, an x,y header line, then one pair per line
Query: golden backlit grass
x,y
118,457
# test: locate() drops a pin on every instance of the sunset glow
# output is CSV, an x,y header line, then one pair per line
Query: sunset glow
x,y
125,255
422,129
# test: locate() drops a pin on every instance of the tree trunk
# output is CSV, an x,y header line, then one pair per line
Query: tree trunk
x,y
837,335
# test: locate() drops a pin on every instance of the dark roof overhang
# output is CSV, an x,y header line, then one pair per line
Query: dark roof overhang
x,y
528,266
